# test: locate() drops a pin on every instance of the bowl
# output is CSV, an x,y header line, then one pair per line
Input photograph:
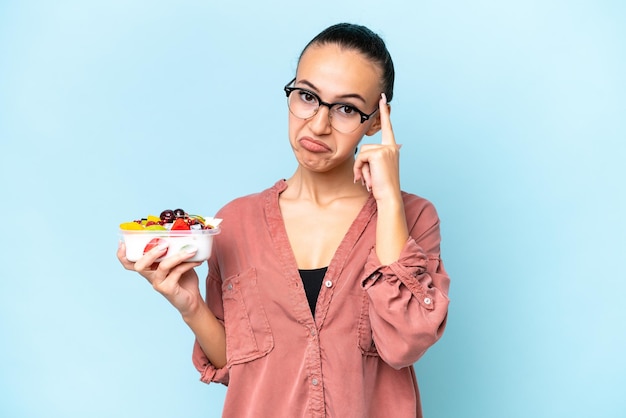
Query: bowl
x,y
138,242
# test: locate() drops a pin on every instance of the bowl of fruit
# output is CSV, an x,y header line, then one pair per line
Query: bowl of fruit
x,y
176,228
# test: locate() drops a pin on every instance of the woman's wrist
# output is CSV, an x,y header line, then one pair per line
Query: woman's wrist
x,y
391,230
197,312
209,333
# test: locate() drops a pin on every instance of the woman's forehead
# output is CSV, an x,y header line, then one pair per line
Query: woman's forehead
x,y
338,71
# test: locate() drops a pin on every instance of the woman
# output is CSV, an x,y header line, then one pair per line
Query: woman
x,y
324,289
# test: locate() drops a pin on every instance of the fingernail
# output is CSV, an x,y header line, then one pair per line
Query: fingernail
x,y
384,96
189,249
162,245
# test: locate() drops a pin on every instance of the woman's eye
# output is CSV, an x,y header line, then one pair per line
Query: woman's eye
x,y
346,110
307,97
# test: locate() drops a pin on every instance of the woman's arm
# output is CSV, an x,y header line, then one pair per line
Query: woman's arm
x,y
404,279
177,281
377,166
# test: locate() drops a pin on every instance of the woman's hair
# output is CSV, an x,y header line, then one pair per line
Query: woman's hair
x,y
361,39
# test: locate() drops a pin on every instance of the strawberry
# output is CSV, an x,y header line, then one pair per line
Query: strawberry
x,y
180,224
153,243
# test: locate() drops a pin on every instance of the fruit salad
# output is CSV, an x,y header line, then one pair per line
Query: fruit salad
x,y
176,228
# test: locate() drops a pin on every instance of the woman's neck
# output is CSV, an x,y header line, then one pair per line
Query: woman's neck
x,y
323,188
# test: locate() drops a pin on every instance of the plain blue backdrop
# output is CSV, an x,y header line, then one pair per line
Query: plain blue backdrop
x,y
512,120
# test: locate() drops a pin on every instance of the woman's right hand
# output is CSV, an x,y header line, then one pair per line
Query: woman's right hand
x,y
174,278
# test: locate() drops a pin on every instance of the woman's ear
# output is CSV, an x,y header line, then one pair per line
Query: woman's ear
x,y
375,127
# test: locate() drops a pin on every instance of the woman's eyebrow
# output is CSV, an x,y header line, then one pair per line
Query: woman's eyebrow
x,y
343,96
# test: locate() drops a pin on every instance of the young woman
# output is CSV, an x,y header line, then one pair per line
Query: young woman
x,y
324,289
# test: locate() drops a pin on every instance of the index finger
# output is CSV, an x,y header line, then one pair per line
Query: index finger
x,y
385,122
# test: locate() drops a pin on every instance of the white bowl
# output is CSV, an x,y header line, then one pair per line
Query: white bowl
x,y
137,240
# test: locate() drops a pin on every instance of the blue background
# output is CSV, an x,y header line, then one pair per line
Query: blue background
x,y
511,116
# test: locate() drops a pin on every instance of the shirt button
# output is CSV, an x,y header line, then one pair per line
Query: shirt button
x,y
230,286
313,332
328,283
314,382
427,301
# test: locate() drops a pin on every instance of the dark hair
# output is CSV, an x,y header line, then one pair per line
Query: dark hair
x,y
363,40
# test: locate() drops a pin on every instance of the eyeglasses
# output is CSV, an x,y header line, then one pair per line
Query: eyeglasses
x,y
304,104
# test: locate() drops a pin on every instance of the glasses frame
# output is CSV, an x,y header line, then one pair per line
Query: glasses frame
x,y
289,90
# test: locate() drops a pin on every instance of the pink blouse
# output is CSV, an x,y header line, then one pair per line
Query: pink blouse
x,y
372,322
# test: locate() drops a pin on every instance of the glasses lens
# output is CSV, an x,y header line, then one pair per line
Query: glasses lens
x,y
302,104
344,118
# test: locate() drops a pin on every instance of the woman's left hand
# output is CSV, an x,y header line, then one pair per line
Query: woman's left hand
x,y
378,165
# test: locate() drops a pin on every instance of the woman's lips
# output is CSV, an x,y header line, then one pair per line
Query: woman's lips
x,y
313,145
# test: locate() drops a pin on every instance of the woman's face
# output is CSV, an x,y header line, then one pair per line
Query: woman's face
x,y
335,74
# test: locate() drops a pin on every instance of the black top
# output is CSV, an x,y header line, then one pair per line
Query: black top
x,y
312,281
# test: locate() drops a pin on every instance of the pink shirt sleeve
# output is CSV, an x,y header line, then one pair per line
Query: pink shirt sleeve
x,y
409,298
208,372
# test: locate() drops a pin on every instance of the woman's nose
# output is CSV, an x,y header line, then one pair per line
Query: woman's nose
x,y
320,122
